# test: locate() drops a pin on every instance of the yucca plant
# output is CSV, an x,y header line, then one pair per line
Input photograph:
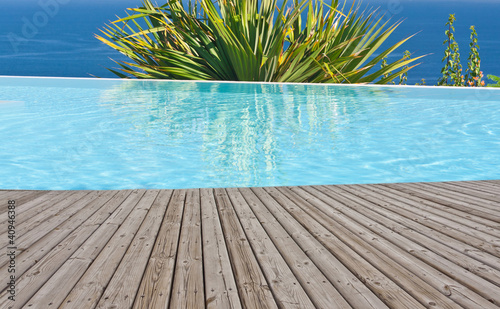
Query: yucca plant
x,y
251,40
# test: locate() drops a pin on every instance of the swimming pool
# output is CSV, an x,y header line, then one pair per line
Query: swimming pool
x,y
117,134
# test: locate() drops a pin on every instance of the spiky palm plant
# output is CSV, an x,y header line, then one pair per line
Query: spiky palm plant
x,y
251,40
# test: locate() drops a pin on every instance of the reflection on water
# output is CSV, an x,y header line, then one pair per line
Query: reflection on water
x,y
117,134
251,131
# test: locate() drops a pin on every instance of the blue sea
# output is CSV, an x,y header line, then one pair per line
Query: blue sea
x,y
56,37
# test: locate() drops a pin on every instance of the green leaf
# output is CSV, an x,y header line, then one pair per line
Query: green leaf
x,y
245,40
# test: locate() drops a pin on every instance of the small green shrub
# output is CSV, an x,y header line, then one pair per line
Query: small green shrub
x,y
452,70
422,82
495,79
474,74
403,77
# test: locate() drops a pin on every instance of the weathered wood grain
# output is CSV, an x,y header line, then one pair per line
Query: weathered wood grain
x,y
318,287
442,197
387,290
422,261
220,287
187,288
45,244
36,279
427,216
20,197
353,290
457,187
122,289
286,289
413,245
41,208
89,289
51,220
156,285
253,288
422,226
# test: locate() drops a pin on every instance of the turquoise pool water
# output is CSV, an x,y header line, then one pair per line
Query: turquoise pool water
x,y
116,134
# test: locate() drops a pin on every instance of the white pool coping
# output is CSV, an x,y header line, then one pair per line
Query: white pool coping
x,y
266,83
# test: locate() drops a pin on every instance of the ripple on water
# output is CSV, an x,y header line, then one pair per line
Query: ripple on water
x,y
131,134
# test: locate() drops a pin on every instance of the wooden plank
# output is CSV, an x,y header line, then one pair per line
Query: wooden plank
x,y
450,252
465,230
36,277
489,187
220,287
486,185
122,289
37,206
29,218
318,287
71,206
253,288
474,222
441,198
493,182
458,197
476,186
21,197
468,213
452,244
387,291
156,285
31,195
286,289
12,195
5,196
412,284
354,291
440,232
464,287
89,269
416,227
40,221
187,288
36,251
457,187
464,225
91,286
9,194
41,204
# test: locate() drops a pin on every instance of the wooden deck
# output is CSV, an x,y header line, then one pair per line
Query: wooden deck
x,y
414,245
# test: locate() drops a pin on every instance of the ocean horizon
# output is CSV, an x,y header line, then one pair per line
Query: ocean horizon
x,y
56,37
